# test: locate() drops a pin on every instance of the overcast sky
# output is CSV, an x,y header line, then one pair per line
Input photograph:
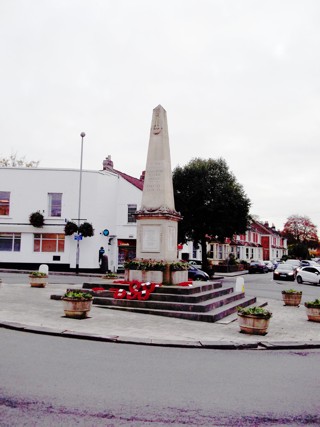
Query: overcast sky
x,y
239,79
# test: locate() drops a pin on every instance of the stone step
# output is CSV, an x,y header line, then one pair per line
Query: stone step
x,y
202,306
207,302
175,290
169,297
193,298
210,316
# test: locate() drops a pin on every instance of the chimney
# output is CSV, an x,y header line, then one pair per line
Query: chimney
x,y
108,163
143,173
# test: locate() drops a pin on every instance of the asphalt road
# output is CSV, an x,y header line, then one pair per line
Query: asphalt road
x,y
263,286
53,381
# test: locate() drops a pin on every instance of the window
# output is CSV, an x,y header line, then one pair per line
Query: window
x,y
10,242
55,202
211,251
131,211
238,252
4,202
48,242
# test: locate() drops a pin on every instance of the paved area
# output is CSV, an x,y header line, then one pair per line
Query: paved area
x,y
31,309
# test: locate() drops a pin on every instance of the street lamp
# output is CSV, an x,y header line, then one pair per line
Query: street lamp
x,y
82,134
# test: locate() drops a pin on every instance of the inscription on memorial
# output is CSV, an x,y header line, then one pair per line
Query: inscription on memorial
x,y
172,240
154,177
156,125
150,238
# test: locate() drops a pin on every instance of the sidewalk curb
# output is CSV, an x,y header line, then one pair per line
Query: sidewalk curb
x,y
208,345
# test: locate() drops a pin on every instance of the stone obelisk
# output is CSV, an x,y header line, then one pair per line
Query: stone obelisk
x,y
157,219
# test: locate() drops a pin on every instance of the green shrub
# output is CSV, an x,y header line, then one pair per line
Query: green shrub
x,y
78,295
291,291
313,304
70,228
37,274
255,311
178,266
36,219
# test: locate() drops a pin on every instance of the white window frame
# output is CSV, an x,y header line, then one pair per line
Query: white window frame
x,y
5,201
15,241
51,207
131,216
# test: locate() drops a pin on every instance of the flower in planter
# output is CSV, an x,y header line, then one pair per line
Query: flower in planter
x,y
291,297
313,310
148,265
37,274
291,291
132,264
178,266
36,219
313,304
153,265
77,295
255,311
70,228
110,276
86,229
254,320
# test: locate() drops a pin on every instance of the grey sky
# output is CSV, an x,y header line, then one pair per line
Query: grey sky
x,y
239,79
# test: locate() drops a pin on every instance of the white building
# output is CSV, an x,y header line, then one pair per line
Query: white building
x,y
108,200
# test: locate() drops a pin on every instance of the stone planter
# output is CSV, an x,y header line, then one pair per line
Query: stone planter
x,y
38,282
179,277
292,299
152,276
76,309
313,314
251,324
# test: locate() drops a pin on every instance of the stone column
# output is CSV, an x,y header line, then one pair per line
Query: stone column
x,y
157,219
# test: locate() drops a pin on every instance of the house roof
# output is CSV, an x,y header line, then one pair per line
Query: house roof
x,y
134,181
137,182
264,228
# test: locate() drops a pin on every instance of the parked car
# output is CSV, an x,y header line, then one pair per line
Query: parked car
x,y
196,262
295,262
195,273
309,274
270,265
284,272
307,263
257,267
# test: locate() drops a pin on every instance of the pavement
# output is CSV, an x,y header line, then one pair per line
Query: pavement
x,y
31,310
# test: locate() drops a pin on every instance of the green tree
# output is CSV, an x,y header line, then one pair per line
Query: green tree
x,y
15,162
298,250
211,202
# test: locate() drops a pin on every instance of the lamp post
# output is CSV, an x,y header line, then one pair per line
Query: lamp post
x,y
82,134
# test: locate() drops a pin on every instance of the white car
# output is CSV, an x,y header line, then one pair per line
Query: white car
x,y
309,274
270,265
307,263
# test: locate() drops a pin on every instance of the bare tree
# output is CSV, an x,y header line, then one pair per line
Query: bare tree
x,y
15,162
